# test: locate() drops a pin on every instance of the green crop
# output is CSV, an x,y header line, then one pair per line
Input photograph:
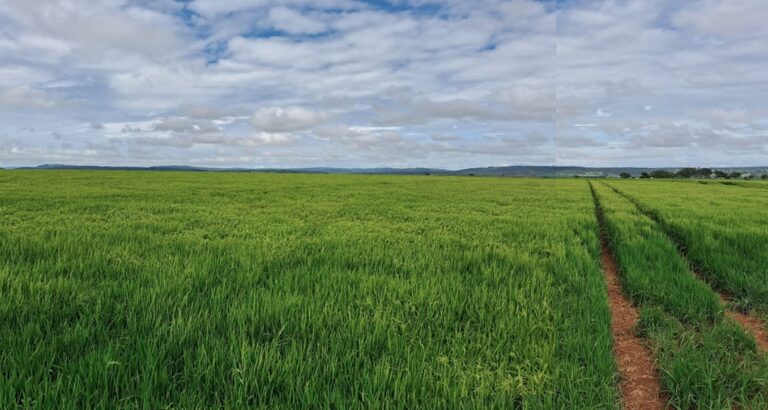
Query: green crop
x,y
653,273
722,229
210,290
190,290
705,360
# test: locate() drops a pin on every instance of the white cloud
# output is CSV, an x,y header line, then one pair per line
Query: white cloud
x,y
23,97
185,125
212,8
215,8
344,82
291,21
279,119
725,19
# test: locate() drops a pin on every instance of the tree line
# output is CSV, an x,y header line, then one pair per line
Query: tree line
x,y
688,173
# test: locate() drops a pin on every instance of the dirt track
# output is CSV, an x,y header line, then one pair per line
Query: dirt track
x,y
639,385
751,324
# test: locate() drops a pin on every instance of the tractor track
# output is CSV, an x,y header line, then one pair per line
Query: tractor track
x,y
639,383
750,323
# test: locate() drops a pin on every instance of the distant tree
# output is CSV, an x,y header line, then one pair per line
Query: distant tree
x,y
687,172
661,174
750,176
694,173
644,175
735,175
427,173
625,175
764,176
721,174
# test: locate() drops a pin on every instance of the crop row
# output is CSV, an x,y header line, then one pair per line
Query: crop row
x,y
722,230
705,359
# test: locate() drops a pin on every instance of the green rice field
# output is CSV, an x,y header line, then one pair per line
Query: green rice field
x,y
236,290
723,228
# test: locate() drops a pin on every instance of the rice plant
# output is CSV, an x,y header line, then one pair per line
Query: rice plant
x,y
721,228
189,290
705,359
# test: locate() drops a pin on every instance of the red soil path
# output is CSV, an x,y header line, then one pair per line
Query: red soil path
x,y
751,324
640,385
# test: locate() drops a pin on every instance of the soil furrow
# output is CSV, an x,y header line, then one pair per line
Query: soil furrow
x,y
639,382
750,323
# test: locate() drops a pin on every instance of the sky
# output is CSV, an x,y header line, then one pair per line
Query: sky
x,y
371,83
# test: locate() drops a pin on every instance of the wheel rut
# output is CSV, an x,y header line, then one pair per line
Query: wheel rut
x,y
750,323
639,383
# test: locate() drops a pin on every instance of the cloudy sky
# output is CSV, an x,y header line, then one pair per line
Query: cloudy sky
x,y
363,83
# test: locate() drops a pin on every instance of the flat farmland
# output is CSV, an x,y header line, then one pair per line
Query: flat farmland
x,y
205,290
722,228
210,290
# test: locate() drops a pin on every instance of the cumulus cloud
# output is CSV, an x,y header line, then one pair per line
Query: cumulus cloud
x,y
291,21
185,125
662,83
411,83
279,119
90,29
24,97
406,111
725,19
215,8
445,137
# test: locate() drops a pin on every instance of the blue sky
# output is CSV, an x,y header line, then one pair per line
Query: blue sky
x,y
351,83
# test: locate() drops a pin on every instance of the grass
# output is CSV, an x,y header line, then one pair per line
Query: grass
x,y
705,360
157,290
653,273
747,183
721,228
200,290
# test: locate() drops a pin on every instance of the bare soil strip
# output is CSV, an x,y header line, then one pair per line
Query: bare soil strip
x,y
640,385
639,380
751,324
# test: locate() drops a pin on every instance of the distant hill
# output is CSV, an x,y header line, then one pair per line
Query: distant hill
x,y
507,171
109,168
548,171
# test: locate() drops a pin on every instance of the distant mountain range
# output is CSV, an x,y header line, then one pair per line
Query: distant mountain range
x,y
505,171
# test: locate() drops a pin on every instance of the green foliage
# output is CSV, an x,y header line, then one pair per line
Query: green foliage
x,y
204,290
704,359
625,175
720,227
189,290
713,367
652,271
662,174
694,173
